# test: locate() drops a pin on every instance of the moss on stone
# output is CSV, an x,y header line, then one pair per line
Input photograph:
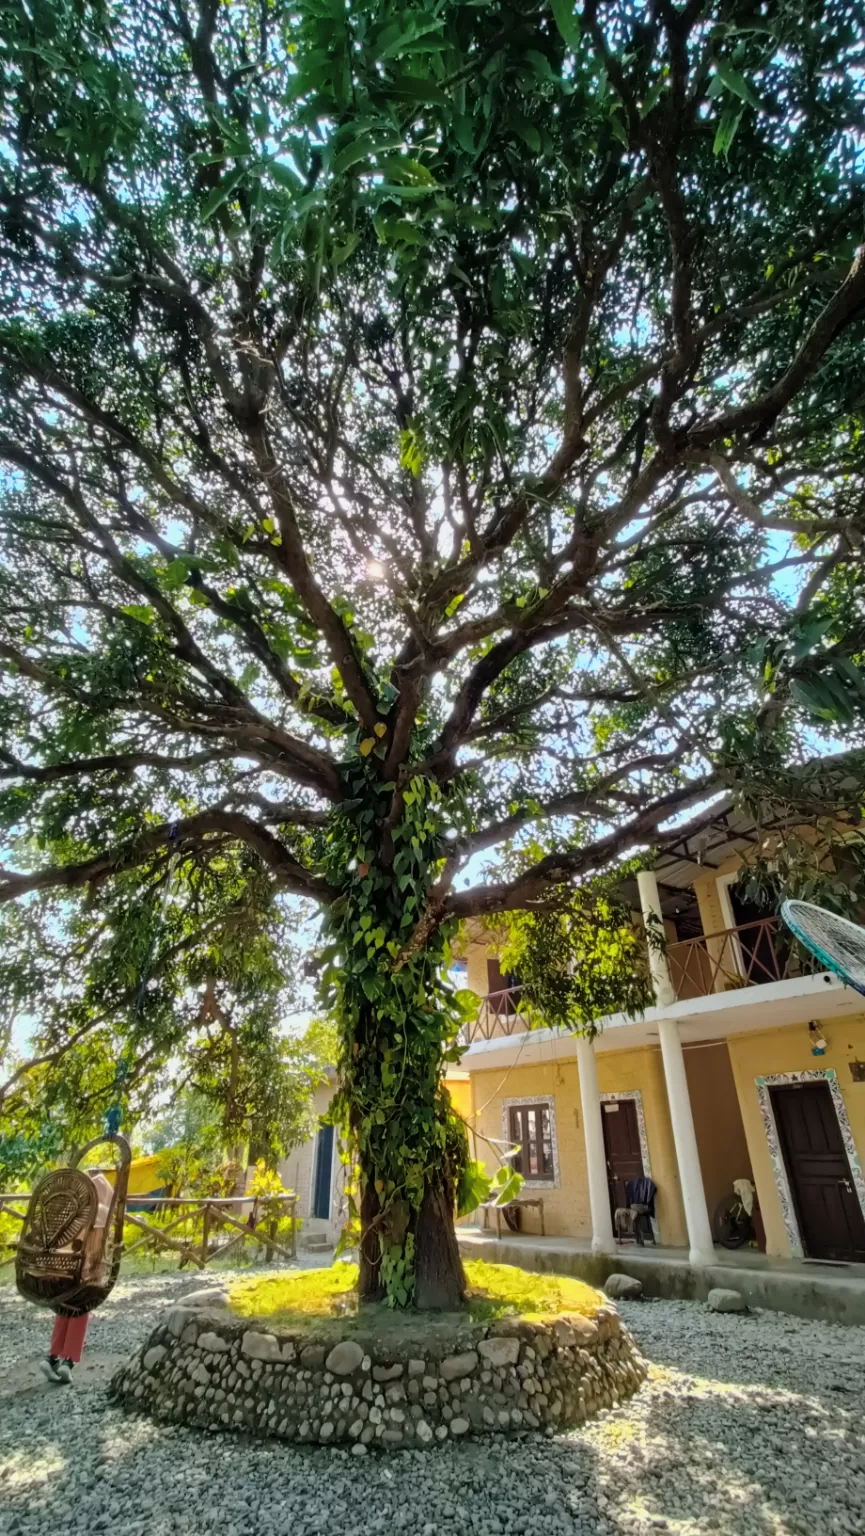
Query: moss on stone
x,y
315,1296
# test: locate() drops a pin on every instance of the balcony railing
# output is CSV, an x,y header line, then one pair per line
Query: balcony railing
x,y
748,956
499,1014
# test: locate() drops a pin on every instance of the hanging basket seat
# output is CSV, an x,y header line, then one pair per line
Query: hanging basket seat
x,y
63,1261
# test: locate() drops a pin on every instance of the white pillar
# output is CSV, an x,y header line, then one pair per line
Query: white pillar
x,y
650,901
684,1136
603,1240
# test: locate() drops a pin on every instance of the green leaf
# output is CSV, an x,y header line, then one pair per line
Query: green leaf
x,y
813,693
510,1187
342,252
736,83
220,194
726,131
619,130
811,632
473,1189
654,94
285,177
175,575
848,669
417,89
360,149
463,129
526,130
567,21
401,168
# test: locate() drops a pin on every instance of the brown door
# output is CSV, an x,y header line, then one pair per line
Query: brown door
x,y
622,1146
830,1217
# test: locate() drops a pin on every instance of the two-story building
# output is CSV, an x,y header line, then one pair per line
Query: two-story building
x,y
750,1065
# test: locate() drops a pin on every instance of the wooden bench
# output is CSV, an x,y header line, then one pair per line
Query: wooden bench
x,y
491,1205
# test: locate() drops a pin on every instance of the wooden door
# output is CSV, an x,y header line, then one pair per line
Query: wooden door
x,y
322,1177
830,1217
622,1146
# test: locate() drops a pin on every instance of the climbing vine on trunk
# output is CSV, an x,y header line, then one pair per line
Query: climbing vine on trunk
x,y
399,1016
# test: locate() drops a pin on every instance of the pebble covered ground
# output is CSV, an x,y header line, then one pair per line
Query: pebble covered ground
x,y
747,1426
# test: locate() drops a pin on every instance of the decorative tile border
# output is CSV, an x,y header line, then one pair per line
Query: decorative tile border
x,y
535,1098
782,1183
636,1098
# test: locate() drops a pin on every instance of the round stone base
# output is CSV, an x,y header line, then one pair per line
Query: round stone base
x,y
423,1387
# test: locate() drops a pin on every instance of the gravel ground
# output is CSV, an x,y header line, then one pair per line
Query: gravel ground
x,y
751,1425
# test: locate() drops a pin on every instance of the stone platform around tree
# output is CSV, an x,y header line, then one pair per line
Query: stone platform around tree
x,y
429,1383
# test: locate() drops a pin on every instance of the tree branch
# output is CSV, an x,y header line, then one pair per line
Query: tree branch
x,y
188,833
535,883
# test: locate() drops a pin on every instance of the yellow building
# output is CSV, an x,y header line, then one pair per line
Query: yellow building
x,y
751,1065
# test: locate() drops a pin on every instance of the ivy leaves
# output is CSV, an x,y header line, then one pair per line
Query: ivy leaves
x,y
579,962
820,661
397,1012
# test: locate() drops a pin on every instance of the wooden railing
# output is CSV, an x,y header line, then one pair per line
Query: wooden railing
x,y
748,956
196,1231
499,1014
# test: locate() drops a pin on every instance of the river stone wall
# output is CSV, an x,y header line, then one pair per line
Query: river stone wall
x,y
218,1372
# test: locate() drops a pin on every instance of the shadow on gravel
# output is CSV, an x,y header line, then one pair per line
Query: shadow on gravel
x,y
743,1348
119,1472
736,1454
758,1458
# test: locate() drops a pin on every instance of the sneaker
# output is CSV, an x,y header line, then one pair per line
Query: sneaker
x,y
64,1372
51,1370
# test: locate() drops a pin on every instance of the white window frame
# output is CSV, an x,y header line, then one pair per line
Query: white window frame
x,y
548,1100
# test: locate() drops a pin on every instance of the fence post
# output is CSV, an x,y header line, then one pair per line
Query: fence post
x,y
272,1226
205,1234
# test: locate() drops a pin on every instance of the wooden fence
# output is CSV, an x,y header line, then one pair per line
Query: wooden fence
x,y
196,1231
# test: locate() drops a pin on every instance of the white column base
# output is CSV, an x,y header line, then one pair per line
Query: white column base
x,y
603,1239
699,1258
603,1248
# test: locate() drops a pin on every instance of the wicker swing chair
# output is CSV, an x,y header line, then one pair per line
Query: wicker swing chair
x,y
55,1266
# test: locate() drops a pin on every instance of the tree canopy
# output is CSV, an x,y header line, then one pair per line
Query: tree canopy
x,y
430,431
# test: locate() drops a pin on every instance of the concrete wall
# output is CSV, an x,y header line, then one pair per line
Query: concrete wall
x,y
460,1089
721,1140
476,966
566,1204
789,1050
297,1172
642,1069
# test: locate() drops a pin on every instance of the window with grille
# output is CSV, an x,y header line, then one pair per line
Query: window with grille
x,y
531,1127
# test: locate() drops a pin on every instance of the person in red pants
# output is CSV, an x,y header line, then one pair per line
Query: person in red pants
x,y
67,1347
67,1339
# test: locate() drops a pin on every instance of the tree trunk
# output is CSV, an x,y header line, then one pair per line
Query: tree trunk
x,y
369,1282
439,1279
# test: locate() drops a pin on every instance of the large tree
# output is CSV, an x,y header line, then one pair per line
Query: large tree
x,y
430,429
